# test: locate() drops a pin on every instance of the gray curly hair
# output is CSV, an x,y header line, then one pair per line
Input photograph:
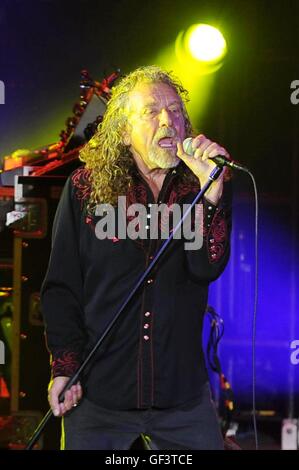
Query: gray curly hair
x,y
106,156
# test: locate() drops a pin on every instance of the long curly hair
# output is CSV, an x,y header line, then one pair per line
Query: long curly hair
x,y
109,160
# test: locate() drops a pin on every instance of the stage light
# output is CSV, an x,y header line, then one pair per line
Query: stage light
x,y
205,43
200,49
198,74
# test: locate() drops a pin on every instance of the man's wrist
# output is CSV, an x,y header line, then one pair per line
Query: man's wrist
x,y
213,194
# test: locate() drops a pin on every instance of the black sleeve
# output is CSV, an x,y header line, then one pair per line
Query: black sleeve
x,y
61,293
207,263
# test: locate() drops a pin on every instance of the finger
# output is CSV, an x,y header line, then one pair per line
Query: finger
x,y
206,144
197,141
68,399
79,392
74,394
180,150
201,149
213,147
58,411
217,151
198,153
189,160
62,409
72,397
212,151
54,403
224,152
67,406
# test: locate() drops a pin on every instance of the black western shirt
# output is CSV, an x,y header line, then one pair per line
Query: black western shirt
x,y
153,356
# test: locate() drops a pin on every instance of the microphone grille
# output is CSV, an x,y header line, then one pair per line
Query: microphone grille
x,y
187,146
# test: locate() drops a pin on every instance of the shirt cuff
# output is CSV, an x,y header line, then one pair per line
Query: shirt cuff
x,y
65,363
215,231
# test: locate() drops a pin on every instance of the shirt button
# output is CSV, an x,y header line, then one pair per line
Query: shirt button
x,y
210,208
149,205
146,326
150,281
147,227
212,240
148,216
147,314
146,338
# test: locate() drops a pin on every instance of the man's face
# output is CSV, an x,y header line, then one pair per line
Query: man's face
x,y
155,123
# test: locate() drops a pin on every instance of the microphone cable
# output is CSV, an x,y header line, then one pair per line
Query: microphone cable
x,y
254,319
255,304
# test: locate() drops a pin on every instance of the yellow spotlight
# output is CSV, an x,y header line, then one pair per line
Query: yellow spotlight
x,y
4,294
205,43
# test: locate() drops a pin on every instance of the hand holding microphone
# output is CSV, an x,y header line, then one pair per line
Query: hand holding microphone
x,y
200,146
202,150
201,155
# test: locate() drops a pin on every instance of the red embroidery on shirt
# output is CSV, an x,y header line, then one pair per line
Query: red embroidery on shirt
x,y
176,195
65,363
180,191
136,194
218,234
184,189
80,179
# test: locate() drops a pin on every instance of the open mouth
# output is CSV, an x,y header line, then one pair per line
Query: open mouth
x,y
167,143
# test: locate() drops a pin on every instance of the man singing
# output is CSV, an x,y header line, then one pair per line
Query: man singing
x,y
148,377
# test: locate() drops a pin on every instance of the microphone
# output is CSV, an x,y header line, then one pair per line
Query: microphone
x,y
220,160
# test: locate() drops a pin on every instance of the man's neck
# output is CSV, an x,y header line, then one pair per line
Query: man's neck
x,y
154,177
150,174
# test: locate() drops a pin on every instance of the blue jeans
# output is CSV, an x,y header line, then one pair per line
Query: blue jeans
x,y
193,425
